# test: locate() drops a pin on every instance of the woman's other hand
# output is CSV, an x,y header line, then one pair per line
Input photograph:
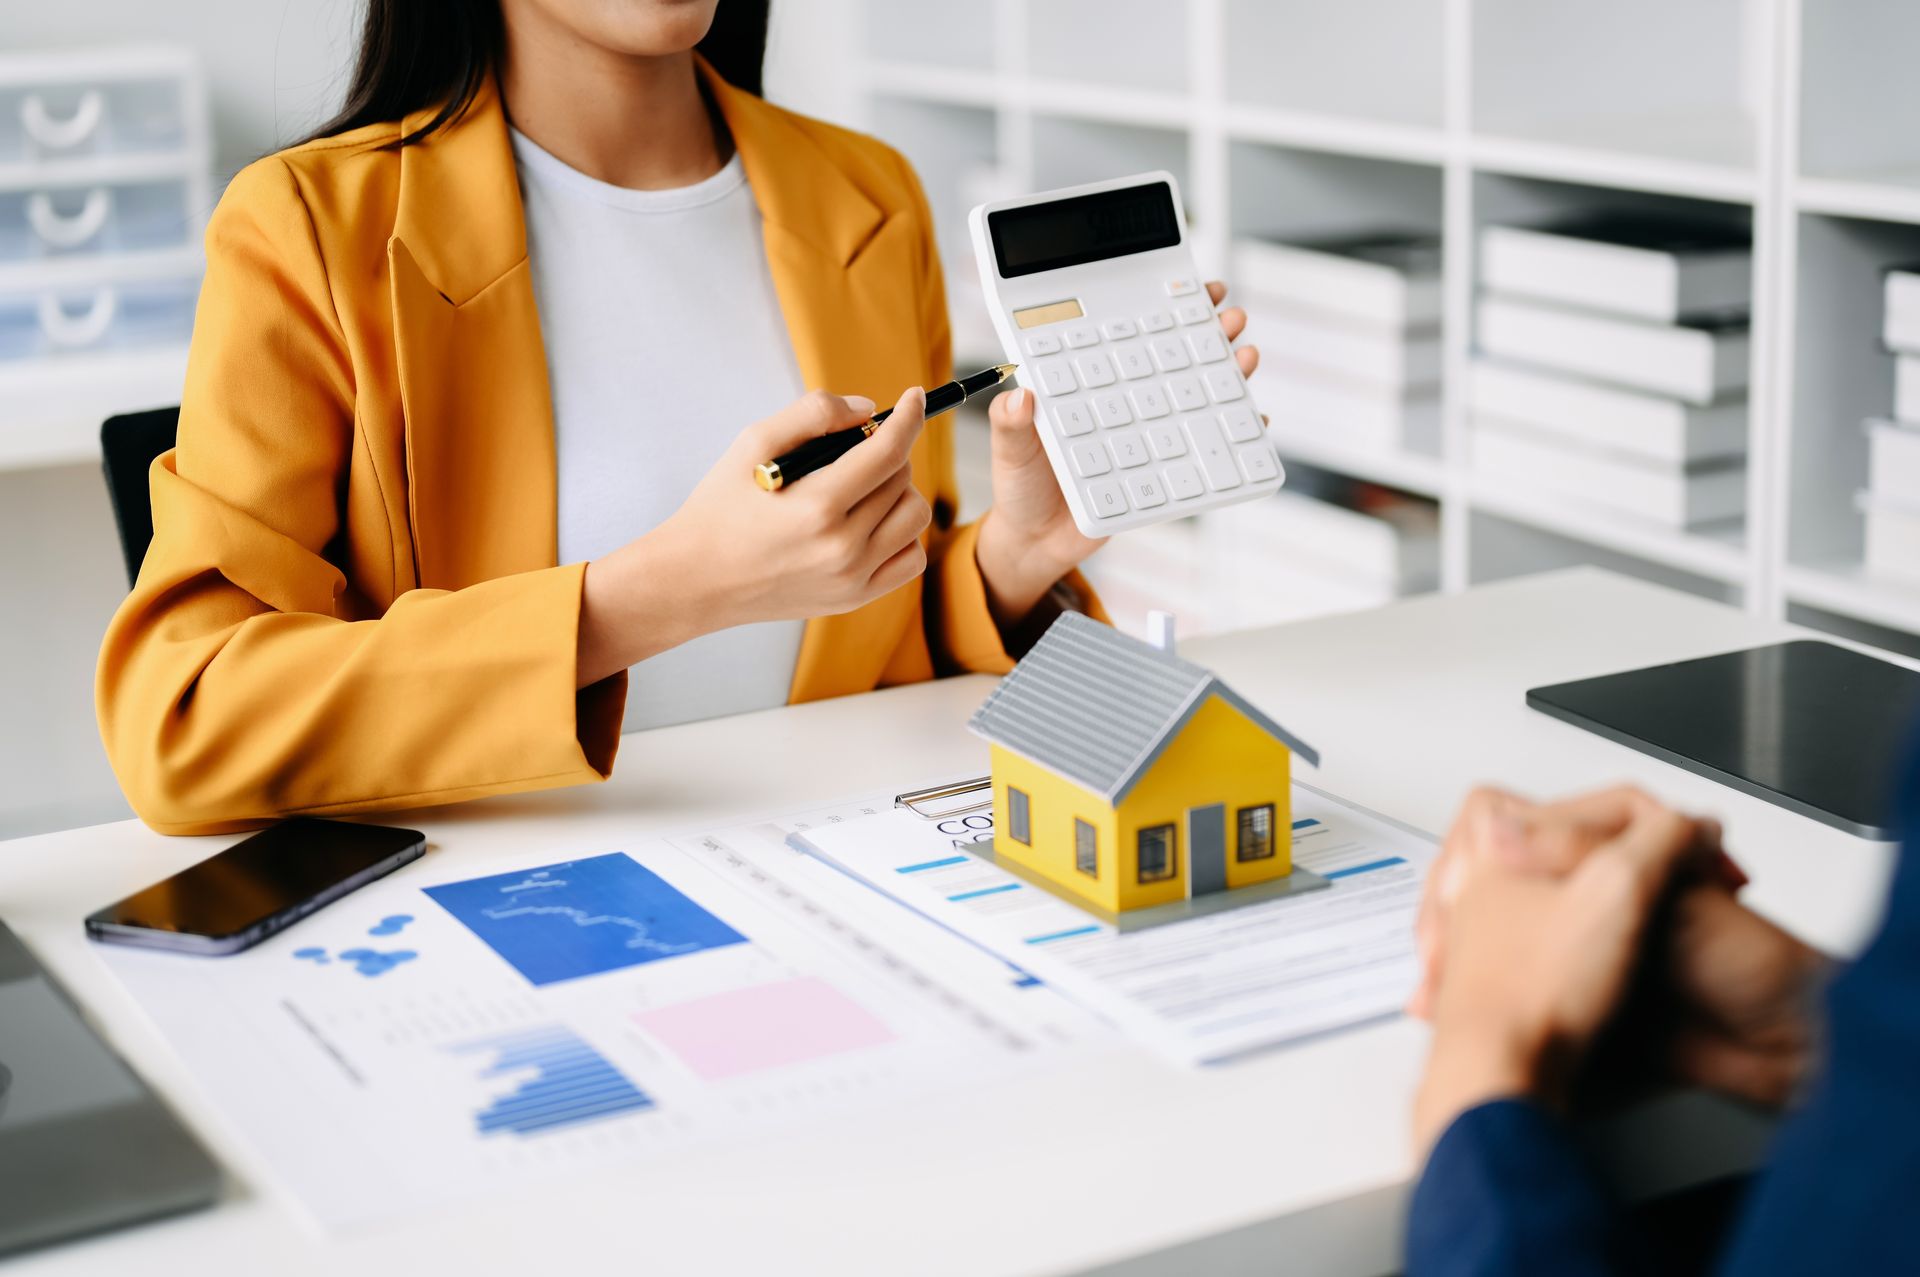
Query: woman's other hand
x,y
1028,540
733,554
1533,966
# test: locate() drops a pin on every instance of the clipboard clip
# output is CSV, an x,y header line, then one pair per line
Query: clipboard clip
x,y
956,798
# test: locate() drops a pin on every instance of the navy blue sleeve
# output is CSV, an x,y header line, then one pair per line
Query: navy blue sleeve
x,y
1841,1191
1507,1193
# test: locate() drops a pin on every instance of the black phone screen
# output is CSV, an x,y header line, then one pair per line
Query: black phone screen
x,y
274,871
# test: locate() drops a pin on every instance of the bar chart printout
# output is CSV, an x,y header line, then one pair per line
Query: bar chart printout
x,y
561,1082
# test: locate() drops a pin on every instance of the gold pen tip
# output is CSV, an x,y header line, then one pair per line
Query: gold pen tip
x,y
1006,370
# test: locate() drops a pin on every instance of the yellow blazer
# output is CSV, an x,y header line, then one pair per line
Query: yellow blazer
x,y
351,601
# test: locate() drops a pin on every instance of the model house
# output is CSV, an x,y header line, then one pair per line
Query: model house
x,y
1132,778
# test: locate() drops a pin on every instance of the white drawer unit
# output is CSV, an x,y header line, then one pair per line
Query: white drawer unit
x,y
105,186
1141,406
99,106
101,305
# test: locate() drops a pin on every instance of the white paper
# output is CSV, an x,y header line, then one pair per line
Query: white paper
x,y
385,1054
1202,990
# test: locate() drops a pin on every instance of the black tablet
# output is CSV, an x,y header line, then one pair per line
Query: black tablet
x,y
1817,728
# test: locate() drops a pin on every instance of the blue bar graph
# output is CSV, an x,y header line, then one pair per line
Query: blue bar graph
x,y
571,1083
942,863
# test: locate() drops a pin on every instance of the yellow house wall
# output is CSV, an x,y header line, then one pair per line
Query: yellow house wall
x,y
1220,756
1052,805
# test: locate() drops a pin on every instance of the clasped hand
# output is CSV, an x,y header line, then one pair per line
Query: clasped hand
x,y
1540,919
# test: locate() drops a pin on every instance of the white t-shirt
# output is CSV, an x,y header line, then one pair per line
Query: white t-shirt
x,y
664,340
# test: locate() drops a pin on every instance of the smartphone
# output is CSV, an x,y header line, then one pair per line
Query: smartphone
x,y
257,887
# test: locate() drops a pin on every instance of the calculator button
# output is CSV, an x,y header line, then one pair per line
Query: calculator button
x,y
1215,457
1090,459
1096,370
1225,384
1132,361
1055,377
1183,481
1110,409
1193,312
1043,344
1106,498
1146,490
1118,329
1149,402
1182,287
1169,354
1072,418
1186,392
1157,322
1242,426
1257,460
1128,451
1167,441
1081,336
1209,347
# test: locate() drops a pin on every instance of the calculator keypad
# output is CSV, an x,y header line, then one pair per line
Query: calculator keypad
x,y
1152,409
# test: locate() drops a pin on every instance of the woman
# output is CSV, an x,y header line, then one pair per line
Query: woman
x,y
461,441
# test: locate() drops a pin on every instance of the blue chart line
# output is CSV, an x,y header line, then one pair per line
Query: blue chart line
x,y
932,864
986,891
1351,870
571,1083
1062,935
582,917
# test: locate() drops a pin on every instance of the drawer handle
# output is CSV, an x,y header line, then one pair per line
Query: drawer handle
x,y
59,230
57,134
89,326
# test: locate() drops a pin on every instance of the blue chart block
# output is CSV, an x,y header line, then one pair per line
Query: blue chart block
x,y
582,917
572,1083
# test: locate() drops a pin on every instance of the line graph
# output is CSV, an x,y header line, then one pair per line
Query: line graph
x,y
582,917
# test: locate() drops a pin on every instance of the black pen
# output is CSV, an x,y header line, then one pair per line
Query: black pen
x,y
827,449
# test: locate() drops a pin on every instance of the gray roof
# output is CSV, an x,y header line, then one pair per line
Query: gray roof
x,y
1098,707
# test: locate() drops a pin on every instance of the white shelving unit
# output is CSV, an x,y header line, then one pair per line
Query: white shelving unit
x,y
1794,118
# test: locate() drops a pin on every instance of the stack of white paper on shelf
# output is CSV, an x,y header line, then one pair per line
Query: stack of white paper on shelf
x,y
1891,501
1349,337
1612,365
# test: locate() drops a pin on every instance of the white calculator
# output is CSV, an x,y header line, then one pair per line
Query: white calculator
x,y
1141,405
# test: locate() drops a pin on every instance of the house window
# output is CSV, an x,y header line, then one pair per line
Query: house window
x,y
1256,833
1019,819
1156,853
1086,848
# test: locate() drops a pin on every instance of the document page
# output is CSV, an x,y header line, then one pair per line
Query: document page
x,y
1203,989
471,1025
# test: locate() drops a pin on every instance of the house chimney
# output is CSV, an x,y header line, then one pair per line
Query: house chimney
x,y
1160,631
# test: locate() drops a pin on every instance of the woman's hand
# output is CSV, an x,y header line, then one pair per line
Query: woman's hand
x,y
1533,966
1730,1001
733,554
1028,540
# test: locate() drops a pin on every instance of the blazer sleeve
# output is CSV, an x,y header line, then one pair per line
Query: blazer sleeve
x,y
1506,1193
961,631
230,690
1841,1183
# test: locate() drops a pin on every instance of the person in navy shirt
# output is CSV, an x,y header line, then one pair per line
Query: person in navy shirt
x,y
1549,928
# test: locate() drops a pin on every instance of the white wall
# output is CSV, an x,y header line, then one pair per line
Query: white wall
x,y
275,68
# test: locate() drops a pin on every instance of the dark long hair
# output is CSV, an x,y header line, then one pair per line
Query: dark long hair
x,y
420,53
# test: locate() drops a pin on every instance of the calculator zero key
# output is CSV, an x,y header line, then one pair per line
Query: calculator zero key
x,y
1143,411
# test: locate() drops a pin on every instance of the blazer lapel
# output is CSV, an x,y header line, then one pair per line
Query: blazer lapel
x,y
845,275
472,367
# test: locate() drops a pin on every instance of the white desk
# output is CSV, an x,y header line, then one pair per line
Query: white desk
x,y
1410,705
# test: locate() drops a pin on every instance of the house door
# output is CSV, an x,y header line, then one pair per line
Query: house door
x,y
1207,849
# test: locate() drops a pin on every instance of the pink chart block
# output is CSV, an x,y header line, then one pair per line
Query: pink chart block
x,y
764,1027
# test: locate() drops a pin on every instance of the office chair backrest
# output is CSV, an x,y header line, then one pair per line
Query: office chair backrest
x,y
128,445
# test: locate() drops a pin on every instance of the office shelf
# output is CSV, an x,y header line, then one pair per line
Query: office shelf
x,y
1287,118
51,409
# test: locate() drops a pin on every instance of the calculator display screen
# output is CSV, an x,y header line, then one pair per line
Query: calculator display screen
x,y
1085,228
